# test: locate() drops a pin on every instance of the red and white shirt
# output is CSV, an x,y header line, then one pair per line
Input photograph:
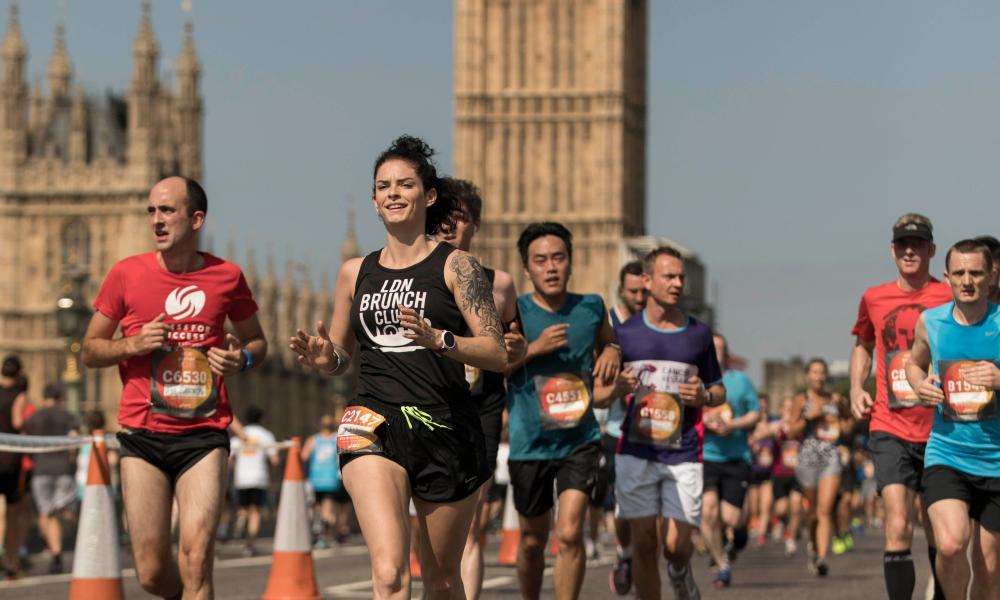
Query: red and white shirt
x,y
172,390
888,316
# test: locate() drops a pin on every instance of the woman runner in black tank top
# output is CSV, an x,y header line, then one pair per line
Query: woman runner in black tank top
x,y
415,312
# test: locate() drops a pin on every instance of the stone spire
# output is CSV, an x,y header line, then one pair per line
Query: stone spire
x,y
13,101
189,105
60,69
15,51
350,248
141,100
78,127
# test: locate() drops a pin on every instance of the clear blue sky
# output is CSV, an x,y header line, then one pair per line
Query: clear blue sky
x,y
784,136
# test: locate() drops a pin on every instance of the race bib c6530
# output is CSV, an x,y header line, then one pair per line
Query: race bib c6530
x,y
182,384
964,401
563,399
356,433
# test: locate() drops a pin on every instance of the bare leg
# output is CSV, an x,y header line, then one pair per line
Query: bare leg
x,y
445,528
200,493
531,554
986,564
950,520
571,561
148,497
472,556
381,492
645,557
711,526
826,498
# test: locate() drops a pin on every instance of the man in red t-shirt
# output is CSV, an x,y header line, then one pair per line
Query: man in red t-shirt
x,y
172,305
900,422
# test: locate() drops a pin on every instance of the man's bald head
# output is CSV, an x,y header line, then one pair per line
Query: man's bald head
x,y
187,188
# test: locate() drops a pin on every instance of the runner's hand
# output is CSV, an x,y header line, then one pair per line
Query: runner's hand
x,y
420,330
984,373
553,338
693,392
315,351
861,403
152,336
228,360
608,364
625,383
515,343
719,426
930,393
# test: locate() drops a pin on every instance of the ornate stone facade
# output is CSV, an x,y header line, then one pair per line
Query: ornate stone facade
x,y
550,123
75,173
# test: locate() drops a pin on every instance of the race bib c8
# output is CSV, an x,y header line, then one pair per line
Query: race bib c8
x,y
964,401
901,395
563,399
182,384
356,433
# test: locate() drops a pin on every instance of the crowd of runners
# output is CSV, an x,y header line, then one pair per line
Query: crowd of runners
x,y
629,412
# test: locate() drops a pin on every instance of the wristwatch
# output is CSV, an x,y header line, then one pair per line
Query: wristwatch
x,y
447,342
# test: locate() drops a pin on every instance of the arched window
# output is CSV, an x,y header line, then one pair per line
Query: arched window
x,y
75,245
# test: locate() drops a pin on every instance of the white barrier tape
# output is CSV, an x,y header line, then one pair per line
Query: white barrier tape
x,y
37,444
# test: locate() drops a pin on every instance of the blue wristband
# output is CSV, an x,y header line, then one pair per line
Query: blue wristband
x,y
249,359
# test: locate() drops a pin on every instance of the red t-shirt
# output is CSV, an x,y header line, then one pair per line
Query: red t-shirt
x,y
172,390
888,316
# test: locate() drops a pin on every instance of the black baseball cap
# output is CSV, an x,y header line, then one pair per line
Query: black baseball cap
x,y
913,230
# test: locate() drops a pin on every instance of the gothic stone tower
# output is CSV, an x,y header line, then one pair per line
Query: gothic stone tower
x,y
75,171
550,123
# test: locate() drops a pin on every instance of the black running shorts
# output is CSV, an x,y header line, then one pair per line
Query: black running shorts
x,y
442,451
783,485
896,460
603,494
981,494
533,479
730,479
172,453
491,420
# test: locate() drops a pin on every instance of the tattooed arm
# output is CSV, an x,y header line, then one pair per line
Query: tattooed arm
x,y
474,296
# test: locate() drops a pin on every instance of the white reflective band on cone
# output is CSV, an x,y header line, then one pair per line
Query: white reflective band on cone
x,y
97,554
293,523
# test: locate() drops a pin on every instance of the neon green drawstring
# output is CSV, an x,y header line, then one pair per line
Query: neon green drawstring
x,y
423,417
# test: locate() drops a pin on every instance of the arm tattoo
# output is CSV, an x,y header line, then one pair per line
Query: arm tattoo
x,y
475,295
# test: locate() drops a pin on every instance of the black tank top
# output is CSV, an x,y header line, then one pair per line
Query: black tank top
x,y
393,369
487,387
9,461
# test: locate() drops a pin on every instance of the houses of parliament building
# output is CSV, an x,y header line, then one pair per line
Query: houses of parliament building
x,y
75,174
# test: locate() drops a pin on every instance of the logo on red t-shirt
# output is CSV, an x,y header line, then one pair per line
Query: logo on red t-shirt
x,y
184,303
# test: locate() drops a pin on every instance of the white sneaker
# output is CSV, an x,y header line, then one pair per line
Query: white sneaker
x,y
790,547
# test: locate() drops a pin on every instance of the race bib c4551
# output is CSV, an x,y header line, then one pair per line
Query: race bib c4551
x,y
182,384
356,434
563,399
964,401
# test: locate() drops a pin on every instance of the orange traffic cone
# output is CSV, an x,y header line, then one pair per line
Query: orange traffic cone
x,y
292,574
97,564
511,531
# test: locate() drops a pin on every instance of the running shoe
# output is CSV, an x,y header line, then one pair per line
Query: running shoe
x,y
761,540
790,547
56,566
838,546
849,542
821,568
724,578
684,586
621,576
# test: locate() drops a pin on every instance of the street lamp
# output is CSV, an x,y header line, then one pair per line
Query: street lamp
x,y
72,315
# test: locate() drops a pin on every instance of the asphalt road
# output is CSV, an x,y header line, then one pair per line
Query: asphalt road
x,y
342,572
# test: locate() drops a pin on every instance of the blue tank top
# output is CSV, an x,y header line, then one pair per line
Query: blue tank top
x,y
324,472
966,431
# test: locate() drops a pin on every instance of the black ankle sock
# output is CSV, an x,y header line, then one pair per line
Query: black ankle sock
x,y
900,577
932,555
740,538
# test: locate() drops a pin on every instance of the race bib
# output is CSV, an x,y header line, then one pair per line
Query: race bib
x,y
790,454
656,419
901,395
249,451
181,383
765,457
356,433
828,428
722,412
964,401
474,377
563,399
